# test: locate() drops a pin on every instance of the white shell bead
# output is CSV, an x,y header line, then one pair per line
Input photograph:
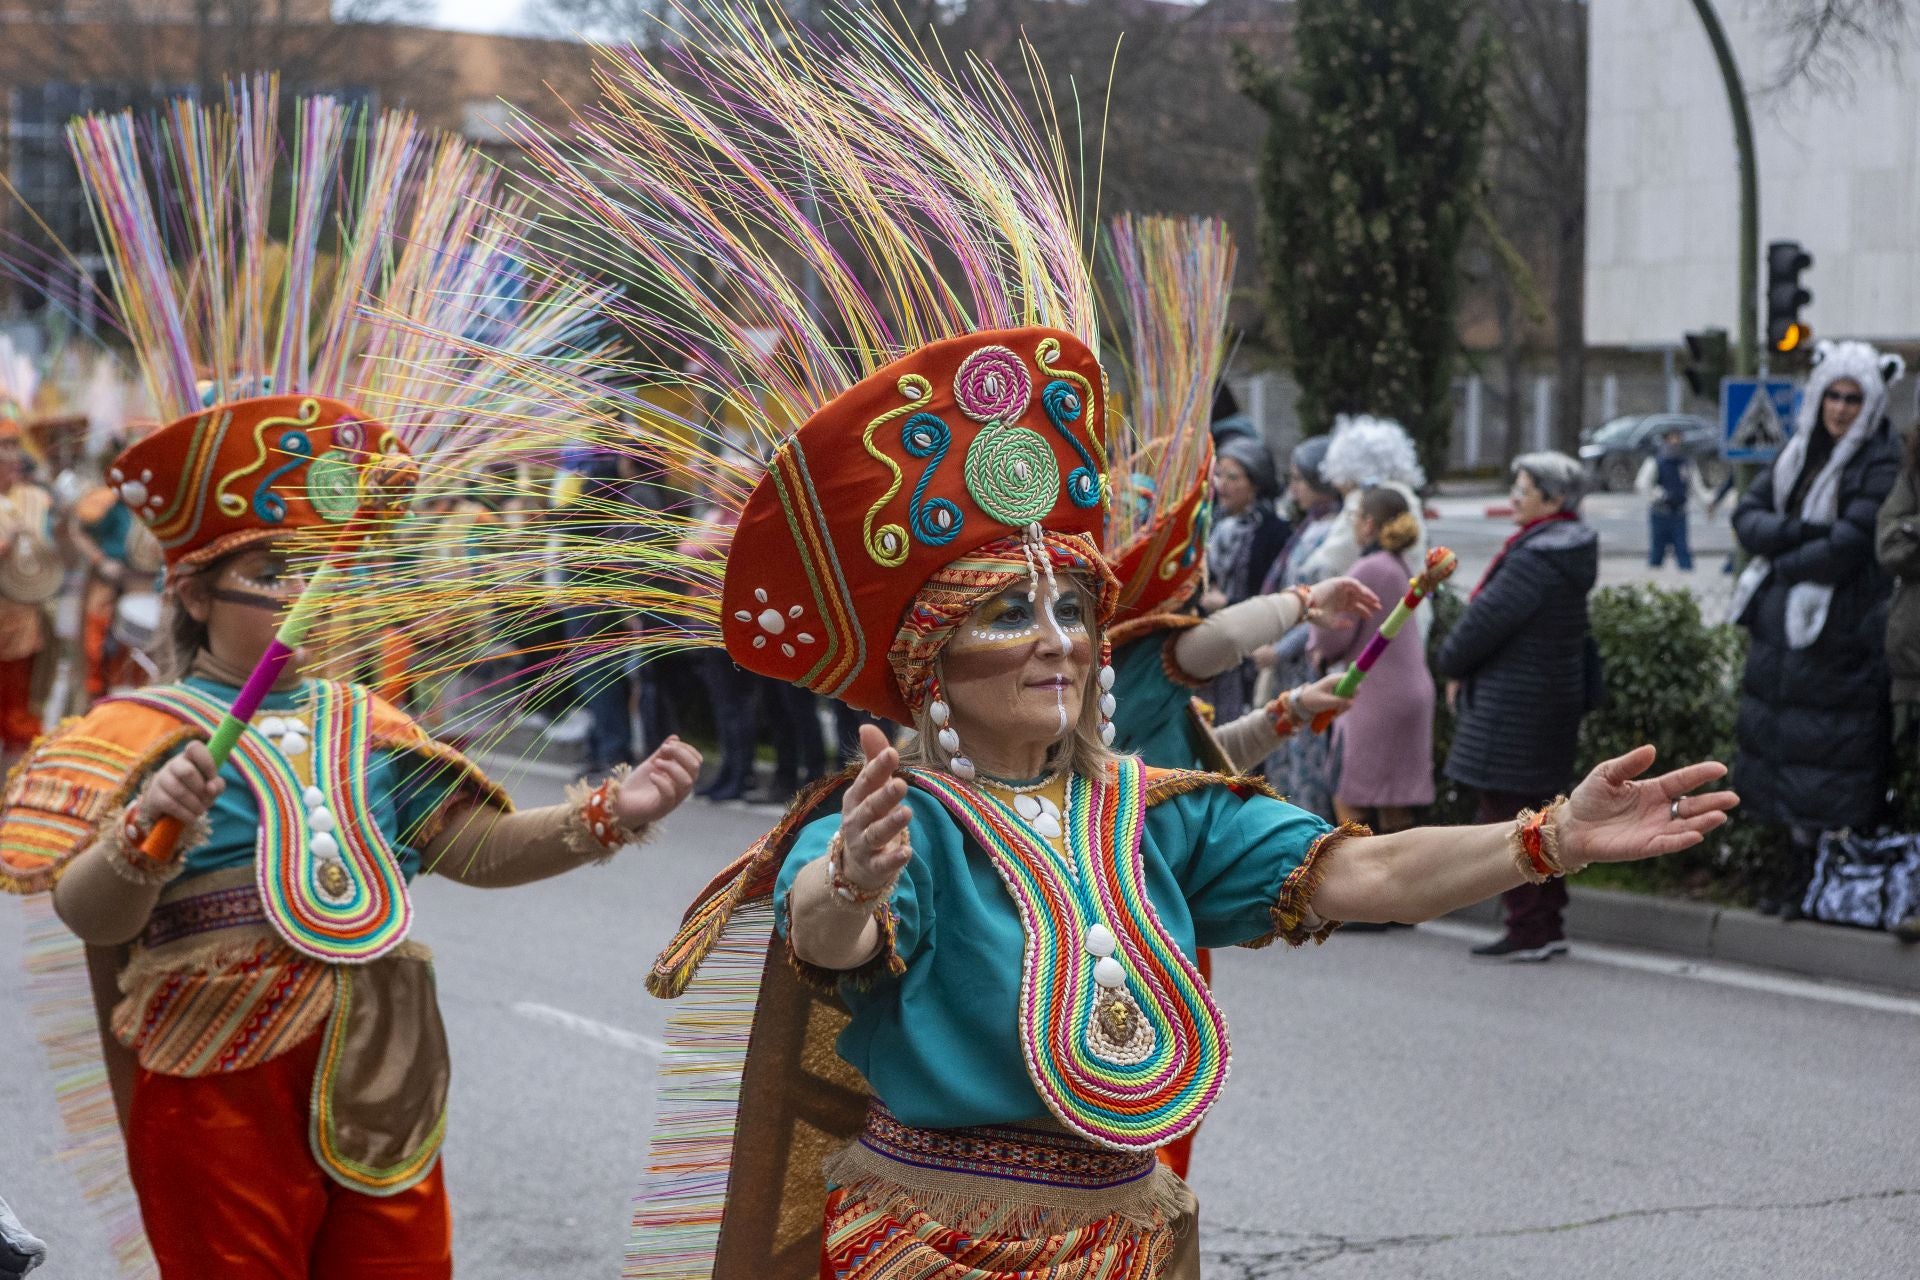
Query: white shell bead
x,y
1101,942
1027,807
962,768
949,741
1048,826
325,845
1106,733
293,744
938,712
314,797
1107,704
320,820
1106,677
272,726
1109,974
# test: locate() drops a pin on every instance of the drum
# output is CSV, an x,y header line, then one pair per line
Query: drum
x,y
136,620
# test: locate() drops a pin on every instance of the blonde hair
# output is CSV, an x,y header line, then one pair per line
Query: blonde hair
x,y
1394,526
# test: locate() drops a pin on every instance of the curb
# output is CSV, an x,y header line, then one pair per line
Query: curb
x,y
1732,936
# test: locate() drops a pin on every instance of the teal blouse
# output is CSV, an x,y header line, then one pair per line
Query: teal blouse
x,y
110,531
1150,717
402,794
940,1042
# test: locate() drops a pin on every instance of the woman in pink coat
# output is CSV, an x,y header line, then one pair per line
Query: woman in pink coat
x,y
1385,743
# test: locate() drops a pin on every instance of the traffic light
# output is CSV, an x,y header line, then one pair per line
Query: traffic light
x,y
1785,296
1706,362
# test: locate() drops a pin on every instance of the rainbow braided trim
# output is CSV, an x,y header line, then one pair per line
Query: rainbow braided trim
x,y
373,912
1126,1105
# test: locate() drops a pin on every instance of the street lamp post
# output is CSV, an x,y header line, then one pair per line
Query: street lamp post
x,y
1746,354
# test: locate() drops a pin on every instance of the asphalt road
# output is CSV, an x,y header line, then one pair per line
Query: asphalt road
x,y
1397,1109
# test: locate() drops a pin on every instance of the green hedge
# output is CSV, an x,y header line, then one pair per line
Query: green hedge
x,y
1673,679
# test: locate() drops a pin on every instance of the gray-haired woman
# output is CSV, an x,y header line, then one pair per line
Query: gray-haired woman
x,y
1520,677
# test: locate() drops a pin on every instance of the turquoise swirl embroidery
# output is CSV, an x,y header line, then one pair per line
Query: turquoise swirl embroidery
x,y
267,504
1064,407
936,522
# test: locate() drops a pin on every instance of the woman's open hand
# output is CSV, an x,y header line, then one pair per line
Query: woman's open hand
x,y
873,821
1616,816
1343,596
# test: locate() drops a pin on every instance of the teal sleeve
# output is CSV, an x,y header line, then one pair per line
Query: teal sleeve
x,y
1234,858
912,900
422,787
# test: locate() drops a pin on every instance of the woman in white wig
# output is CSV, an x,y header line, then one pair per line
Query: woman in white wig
x,y
1366,451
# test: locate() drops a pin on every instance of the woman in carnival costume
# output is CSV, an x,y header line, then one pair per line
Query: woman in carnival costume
x,y
30,567
282,1068
1173,279
999,928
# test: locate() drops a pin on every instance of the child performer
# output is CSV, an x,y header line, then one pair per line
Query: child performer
x,y
284,1077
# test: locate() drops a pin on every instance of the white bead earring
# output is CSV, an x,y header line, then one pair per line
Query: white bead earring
x,y
946,735
1108,703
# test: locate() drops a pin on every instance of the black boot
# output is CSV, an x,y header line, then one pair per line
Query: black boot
x,y
1802,847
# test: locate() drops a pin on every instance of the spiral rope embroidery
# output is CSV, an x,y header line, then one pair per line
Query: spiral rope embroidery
x,y
888,545
1126,1048
938,522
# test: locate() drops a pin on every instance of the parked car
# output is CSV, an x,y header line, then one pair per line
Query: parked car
x,y
1614,450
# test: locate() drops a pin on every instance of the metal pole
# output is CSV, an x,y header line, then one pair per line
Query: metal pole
x,y
1746,355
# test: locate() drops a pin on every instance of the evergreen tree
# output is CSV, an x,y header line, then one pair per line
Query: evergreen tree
x,y
1368,183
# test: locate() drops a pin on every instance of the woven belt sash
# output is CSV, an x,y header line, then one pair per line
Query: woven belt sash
x,y
1039,1174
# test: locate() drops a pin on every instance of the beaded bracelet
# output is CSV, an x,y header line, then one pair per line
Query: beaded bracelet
x,y
845,890
1305,596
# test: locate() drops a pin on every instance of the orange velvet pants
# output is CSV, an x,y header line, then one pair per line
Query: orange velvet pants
x,y
108,664
19,720
229,1191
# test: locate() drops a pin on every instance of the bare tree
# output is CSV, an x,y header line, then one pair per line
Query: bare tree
x,y
1826,40
1536,213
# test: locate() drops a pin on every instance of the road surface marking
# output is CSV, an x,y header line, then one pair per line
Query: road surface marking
x,y
1702,971
605,1033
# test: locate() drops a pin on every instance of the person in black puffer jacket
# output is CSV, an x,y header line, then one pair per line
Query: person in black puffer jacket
x,y
1813,722
1520,678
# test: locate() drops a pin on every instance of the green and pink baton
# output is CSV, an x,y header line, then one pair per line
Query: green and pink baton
x,y
1440,566
386,483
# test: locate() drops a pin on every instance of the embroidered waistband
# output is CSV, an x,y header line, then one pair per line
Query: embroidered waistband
x,y
203,913
1051,1158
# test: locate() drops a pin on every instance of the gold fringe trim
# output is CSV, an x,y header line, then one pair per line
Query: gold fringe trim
x,y
1165,784
1293,920
886,962
748,878
971,1201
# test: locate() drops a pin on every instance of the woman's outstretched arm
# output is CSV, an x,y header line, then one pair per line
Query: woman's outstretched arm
x,y
1612,816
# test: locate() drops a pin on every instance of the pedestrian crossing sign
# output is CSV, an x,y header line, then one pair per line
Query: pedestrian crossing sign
x,y
1756,417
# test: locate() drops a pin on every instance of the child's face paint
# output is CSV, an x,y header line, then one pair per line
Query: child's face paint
x,y
242,602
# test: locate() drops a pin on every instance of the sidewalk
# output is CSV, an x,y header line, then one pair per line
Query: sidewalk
x,y
1729,935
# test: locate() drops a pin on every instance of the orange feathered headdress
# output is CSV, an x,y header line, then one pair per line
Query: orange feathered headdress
x,y
963,443
248,471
